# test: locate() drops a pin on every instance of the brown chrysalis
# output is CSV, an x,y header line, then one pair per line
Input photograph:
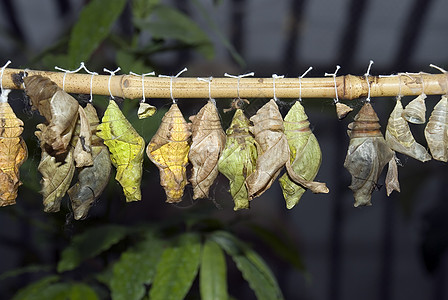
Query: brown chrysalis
x,y
367,154
208,140
59,109
92,180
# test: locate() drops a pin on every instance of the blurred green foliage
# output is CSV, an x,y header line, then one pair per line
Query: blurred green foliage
x,y
161,260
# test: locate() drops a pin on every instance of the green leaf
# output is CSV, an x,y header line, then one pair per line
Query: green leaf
x,y
135,268
60,291
280,244
213,273
92,28
251,265
129,62
143,8
89,244
177,269
33,289
24,270
169,23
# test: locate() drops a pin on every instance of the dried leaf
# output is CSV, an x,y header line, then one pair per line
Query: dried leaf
x,y
305,154
392,183
342,110
238,159
436,131
126,148
82,141
92,180
367,154
56,176
13,153
145,110
59,109
415,110
399,137
168,150
272,148
208,140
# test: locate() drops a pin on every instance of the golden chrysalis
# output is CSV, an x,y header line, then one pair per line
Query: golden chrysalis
x,y
126,148
208,140
367,154
13,153
168,150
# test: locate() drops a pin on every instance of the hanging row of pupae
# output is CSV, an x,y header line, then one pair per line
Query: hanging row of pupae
x,y
251,153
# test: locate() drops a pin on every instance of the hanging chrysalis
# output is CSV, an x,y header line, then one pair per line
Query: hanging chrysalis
x,y
305,154
13,153
59,109
273,153
145,110
126,148
168,150
392,183
207,142
57,173
436,131
399,137
238,158
367,154
92,180
82,140
273,150
415,111
342,110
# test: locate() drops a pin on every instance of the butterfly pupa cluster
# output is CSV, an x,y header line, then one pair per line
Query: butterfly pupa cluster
x,y
251,153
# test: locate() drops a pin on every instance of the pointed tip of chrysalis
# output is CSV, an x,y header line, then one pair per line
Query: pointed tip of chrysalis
x,y
342,110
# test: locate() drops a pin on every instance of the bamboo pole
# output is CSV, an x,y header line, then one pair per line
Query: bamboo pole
x,y
348,87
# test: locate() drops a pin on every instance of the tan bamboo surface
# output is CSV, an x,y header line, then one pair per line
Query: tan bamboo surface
x,y
348,87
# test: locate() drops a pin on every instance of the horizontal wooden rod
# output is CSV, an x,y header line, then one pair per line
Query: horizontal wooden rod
x,y
348,87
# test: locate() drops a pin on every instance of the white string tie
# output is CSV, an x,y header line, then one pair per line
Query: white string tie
x,y
275,76
143,83
65,74
112,73
300,82
209,80
171,82
336,100
91,79
5,92
238,77
444,72
366,75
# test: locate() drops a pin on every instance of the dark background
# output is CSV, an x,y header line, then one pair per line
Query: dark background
x,y
394,249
